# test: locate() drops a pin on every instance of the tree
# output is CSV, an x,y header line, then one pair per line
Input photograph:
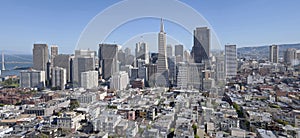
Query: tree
x,y
194,126
74,104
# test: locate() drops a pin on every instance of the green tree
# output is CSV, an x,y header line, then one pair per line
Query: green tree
x,y
74,104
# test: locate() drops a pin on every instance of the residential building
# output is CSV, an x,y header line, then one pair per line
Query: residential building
x,y
89,79
274,53
59,78
119,81
32,79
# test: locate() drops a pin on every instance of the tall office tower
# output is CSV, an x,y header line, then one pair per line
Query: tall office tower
x,y
220,68
186,56
59,78
127,52
179,50
172,68
182,75
142,73
162,78
274,53
108,59
119,81
63,61
48,74
32,79
121,57
179,53
201,49
230,61
151,73
170,52
84,61
89,79
54,52
290,56
142,51
195,77
40,56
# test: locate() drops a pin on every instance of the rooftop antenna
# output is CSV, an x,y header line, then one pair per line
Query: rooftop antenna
x,y
3,66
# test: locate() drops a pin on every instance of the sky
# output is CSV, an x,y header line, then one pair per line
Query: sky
x,y
244,23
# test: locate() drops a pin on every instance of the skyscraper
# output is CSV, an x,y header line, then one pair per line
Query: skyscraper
x,y
142,51
182,75
108,60
290,56
220,68
274,53
179,50
40,56
179,53
63,61
162,63
54,52
84,61
230,61
169,51
201,49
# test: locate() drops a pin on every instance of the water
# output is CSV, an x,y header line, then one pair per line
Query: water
x,y
14,61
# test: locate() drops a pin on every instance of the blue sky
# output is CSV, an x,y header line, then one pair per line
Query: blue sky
x,y
245,23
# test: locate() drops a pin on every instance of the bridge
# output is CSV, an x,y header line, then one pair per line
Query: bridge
x,y
23,60
17,62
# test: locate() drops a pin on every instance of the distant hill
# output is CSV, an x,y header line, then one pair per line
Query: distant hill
x,y
263,51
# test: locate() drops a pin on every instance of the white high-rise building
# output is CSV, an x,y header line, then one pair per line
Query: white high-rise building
x,y
220,68
290,56
182,75
142,51
119,81
59,77
162,78
32,79
89,79
230,61
189,75
274,53
195,75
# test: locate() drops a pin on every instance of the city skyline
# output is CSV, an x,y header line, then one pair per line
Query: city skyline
x,y
64,29
150,68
